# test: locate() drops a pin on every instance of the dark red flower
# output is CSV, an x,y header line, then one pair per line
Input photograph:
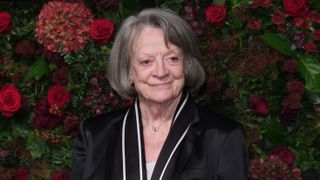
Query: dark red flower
x,y
285,154
58,96
5,59
296,7
21,173
288,114
127,102
290,66
60,175
296,172
295,86
252,135
5,22
299,38
214,83
101,30
278,18
71,123
254,24
261,3
4,153
25,49
10,100
292,101
231,93
61,76
314,16
316,35
259,105
216,15
3,74
310,47
54,58
45,121
256,64
42,106
105,4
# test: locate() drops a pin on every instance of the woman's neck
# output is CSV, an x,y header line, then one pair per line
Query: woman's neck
x,y
152,112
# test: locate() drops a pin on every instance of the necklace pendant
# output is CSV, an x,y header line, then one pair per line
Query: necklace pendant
x,y
155,128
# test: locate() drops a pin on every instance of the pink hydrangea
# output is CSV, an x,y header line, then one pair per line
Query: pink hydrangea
x,y
63,26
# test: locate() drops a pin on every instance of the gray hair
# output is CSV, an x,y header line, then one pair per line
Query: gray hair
x,y
176,31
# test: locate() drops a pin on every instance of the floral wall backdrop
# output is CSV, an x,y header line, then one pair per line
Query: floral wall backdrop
x,y
261,58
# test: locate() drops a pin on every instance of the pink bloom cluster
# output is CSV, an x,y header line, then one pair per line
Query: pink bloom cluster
x,y
63,26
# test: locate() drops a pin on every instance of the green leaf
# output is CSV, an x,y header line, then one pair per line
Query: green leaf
x,y
313,97
39,68
316,142
304,159
19,129
235,23
281,44
37,147
309,68
315,5
274,132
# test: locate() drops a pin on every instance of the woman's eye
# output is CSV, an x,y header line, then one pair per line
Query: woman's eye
x,y
145,62
174,59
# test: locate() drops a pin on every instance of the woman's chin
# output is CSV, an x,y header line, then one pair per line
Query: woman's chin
x,y
161,97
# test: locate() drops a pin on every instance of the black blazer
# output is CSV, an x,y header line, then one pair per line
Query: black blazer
x,y
214,148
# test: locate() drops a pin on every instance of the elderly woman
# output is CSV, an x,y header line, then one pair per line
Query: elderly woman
x,y
163,135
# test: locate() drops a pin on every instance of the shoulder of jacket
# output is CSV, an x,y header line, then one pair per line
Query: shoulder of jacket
x,y
104,120
212,121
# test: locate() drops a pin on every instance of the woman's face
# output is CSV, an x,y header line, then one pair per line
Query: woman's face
x,y
157,70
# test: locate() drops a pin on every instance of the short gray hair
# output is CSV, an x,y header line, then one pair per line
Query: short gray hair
x,y
176,31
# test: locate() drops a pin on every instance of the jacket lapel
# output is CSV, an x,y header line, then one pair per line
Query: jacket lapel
x,y
133,158
170,150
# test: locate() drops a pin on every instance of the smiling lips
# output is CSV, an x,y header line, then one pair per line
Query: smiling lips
x,y
165,84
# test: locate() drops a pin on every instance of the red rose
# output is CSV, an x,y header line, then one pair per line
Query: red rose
x,y
310,47
21,173
284,153
58,96
254,24
296,7
278,18
10,100
216,15
259,105
316,35
5,22
101,30
60,175
261,3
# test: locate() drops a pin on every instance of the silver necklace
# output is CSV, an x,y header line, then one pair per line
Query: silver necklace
x,y
156,128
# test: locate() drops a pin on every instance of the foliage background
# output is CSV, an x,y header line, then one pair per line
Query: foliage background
x,y
246,80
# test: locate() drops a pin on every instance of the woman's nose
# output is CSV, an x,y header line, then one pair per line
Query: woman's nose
x,y
161,70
